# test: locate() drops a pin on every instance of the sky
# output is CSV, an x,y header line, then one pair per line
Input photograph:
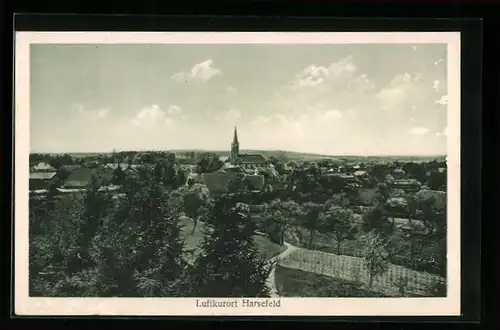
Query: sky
x,y
356,99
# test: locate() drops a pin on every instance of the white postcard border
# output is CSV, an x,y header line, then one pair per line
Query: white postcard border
x,y
25,305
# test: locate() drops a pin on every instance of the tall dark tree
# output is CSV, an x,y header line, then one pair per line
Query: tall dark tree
x,y
118,176
229,264
97,206
310,219
141,252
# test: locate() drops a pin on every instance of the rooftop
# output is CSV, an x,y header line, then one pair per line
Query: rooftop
x,y
251,158
42,175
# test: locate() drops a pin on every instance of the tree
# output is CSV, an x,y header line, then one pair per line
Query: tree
x,y
375,255
282,214
375,219
196,200
337,222
310,219
54,248
237,184
229,265
209,162
382,194
118,176
436,180
97,206
141,252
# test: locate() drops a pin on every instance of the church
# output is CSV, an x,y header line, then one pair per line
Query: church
x,y
245,161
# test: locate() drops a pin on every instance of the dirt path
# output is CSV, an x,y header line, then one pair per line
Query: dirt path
x,y
271,280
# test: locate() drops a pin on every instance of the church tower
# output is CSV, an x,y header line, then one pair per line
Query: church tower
x,y
235,148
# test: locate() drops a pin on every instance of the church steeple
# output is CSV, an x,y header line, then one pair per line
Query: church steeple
x,y
235,148
235,138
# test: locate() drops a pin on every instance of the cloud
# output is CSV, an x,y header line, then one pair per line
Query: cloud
x,y
403,90
94,114
443,100
149,116
418,131
201,72
435,85
174,110
337,72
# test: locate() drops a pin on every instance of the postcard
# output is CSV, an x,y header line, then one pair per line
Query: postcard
x,y
237,174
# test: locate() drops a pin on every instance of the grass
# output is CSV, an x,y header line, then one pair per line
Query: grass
x,y
193,241
299,283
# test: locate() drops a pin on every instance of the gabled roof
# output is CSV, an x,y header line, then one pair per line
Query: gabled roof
x,y
42,175
359,173
43,167
69,168
406,182
82,177
251,158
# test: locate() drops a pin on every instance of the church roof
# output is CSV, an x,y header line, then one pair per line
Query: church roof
x,y
250,159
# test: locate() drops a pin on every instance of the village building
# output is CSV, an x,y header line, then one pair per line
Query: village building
x,y
361,174
245,161
40,180
408,185
43,167
398,174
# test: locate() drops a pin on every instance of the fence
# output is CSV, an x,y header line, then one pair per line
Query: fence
x,y
353,269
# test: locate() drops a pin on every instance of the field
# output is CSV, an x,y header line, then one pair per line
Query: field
x,y
352,269
299,283
263,244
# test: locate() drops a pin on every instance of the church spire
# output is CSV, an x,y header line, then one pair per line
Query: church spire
x,y
235,148
235,138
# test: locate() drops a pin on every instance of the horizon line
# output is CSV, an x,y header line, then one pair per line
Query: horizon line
x,y
224,150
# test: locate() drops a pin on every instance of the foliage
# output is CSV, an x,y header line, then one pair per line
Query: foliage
x,y
310,219
280,215
375,255
375,219
229,265
337,222
208,163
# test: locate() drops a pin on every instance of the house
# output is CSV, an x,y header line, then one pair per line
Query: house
x,y
408,185
69,168
81,178
40,180
398,173
114,166
361,174
348,178
43,167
